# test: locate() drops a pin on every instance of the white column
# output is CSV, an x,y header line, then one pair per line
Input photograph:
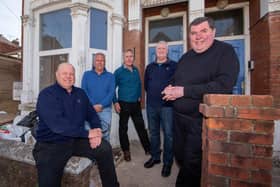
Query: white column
x,y
117,35
79,13
134,15
196,9
115,59
27,68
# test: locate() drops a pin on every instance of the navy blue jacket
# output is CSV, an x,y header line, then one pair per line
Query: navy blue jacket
x,y
62,115
157,77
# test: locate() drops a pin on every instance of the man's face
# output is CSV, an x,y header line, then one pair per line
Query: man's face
x,y
161,51
201,37
65,76
128,58
99,63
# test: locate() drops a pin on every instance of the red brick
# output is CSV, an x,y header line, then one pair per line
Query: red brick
x,y
266,127
217,181
258,113
217,135
221,147
262,100
264,151
261,176
241,100
230,124
236,183
251,163
230,112
211,111
217,99
236,173
252,138
218,158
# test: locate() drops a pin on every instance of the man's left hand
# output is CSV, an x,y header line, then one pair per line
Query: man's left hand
x,y
95,137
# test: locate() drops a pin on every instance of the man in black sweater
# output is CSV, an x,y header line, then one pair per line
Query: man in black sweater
x,y
211,66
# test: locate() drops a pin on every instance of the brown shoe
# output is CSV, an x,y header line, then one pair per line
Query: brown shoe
x,y
126,156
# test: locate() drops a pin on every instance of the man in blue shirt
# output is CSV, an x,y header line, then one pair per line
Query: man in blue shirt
x,y
128,104
159,112
99,85
63,109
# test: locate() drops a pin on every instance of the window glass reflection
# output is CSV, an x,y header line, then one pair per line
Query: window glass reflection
x,y
98,29
167,30
55,30
228,23
48,66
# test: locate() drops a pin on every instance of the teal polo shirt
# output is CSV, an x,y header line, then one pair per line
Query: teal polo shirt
x,y
128,84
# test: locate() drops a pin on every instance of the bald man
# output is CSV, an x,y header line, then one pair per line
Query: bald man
x,y
63,109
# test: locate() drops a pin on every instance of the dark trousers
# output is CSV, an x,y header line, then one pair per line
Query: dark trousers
x,y
188,149
133,110
51,159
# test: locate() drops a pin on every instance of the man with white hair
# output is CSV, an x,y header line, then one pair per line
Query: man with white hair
x,y
158,75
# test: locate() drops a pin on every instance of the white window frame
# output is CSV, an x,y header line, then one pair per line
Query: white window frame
x,y
37,52
91,51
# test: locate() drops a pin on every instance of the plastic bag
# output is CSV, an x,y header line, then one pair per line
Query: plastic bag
x,y
30,120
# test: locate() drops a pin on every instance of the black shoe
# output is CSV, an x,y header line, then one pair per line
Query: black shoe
x,y
166,170
151,162
126,156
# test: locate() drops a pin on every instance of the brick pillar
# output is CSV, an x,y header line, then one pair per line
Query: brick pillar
x,y
237,140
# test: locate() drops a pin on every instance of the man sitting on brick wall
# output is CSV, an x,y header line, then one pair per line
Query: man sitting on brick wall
x,y
63,109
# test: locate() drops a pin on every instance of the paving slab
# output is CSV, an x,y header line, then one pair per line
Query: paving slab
x,y
133,173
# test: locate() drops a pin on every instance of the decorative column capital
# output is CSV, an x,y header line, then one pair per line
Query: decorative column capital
x,y
273,5
26,19
134,15
79,9
117,19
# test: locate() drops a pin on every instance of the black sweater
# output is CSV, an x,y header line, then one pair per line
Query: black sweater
x,y
213,71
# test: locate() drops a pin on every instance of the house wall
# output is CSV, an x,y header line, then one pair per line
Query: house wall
x,y
265,38
9,72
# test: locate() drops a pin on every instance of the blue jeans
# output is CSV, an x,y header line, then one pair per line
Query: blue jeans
x,y
105,118
161,117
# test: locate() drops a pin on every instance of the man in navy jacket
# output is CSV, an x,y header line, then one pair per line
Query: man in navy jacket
x,y
63,109
159,112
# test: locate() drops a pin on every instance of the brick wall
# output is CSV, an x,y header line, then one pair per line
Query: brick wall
x,y
265,43
237,140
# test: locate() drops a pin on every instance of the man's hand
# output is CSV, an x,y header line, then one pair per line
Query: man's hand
x,y
95,137
117,107
172,92
98,107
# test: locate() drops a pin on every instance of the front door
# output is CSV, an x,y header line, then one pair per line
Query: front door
x,y
238,46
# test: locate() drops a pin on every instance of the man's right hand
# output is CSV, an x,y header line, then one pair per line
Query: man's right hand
x,y
117,107
98,108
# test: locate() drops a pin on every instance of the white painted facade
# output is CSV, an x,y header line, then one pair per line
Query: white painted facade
x,y
80,54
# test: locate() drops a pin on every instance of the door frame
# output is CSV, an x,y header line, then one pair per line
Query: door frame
x,y
245,37
158,17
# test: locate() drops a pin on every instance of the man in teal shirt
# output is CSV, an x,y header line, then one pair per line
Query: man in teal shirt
x,y
128,104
